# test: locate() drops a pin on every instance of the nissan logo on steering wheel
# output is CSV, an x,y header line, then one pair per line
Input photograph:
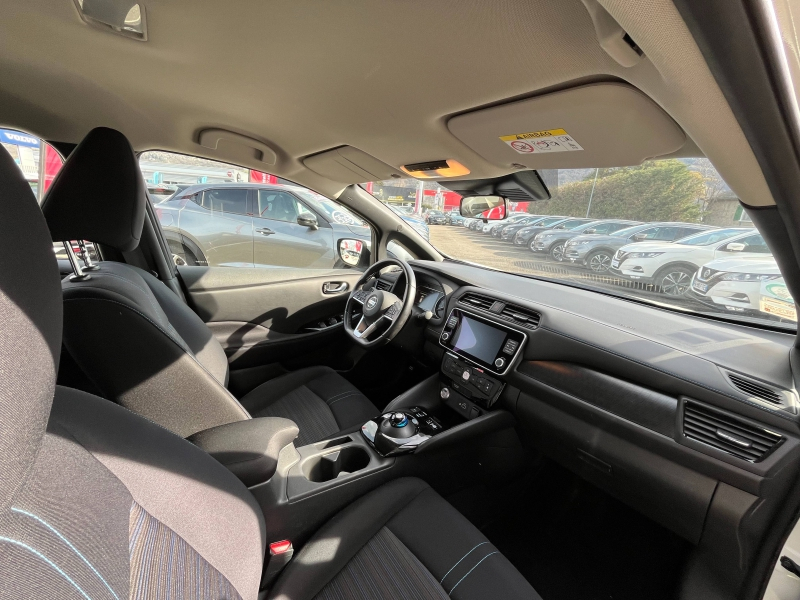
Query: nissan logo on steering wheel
x,y
371,302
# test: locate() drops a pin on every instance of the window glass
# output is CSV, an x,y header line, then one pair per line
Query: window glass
x,y
225,200
682,216
667,234
279,206
223,215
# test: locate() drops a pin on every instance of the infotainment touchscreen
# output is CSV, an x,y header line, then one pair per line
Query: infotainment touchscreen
x,y
478,340
488,344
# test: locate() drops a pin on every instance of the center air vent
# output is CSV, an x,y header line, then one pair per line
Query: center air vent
x,y
380,284
756,390
724,432
524,317
520,316
477,301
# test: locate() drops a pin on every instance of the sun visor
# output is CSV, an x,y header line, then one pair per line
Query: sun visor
x,y
597,125
350,165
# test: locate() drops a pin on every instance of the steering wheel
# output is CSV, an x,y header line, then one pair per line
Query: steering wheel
x,y
378,307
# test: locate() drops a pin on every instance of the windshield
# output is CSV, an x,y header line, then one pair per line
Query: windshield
x,y
681,204
709,237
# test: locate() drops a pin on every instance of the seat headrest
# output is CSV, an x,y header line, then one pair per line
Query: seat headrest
x,y
30,327
99,195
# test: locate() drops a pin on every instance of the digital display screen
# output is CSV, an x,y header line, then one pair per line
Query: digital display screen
x,y
479,340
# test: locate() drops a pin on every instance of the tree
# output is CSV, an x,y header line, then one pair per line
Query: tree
x,y
664,190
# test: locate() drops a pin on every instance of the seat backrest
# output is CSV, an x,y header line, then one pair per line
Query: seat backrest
x,y
96,502
138,343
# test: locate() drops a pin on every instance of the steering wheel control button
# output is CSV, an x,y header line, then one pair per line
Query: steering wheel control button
x,y
510,347
500,363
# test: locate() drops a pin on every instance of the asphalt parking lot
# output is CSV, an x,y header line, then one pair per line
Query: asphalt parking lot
x,y
463,244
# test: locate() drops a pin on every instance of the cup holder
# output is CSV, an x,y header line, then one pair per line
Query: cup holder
x,y
335,464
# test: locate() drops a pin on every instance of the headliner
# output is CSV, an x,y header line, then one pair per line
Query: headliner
x,y
384,77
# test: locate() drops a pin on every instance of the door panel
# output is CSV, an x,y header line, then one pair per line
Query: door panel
x,y
269,314
279,240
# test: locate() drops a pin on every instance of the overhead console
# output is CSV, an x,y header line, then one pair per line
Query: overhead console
x,y
597,125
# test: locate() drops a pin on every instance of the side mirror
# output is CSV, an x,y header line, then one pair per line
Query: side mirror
x,y
735,247
592,230
489,208
350,251
638,237
307,219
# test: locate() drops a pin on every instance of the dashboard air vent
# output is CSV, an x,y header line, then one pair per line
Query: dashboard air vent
x,y
477,301
756,390
520,316
719,430
380,284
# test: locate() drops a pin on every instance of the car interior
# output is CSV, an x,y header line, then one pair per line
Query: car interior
x,y
409,423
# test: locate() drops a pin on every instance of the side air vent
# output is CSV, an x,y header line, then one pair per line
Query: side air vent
x,y
380,284
477,301
756,390
520,316
723,432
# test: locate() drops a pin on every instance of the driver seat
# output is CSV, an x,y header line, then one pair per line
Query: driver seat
x,y
139,343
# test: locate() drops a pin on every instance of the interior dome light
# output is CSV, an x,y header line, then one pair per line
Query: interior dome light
x,y
125,17
436,168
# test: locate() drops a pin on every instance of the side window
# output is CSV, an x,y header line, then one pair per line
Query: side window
x,y
604,228
278,206
612,227
226,200
248,218
645,234
668,234
755,243
39,163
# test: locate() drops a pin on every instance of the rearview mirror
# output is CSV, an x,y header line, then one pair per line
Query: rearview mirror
x,y
307,219
490,208
350,251
735,247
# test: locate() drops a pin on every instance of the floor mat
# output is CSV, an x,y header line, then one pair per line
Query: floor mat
x,y
572,541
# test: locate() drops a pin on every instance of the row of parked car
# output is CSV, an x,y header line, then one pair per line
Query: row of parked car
x,y
729,269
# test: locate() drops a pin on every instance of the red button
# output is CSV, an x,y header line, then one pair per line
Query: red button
x,y
280,547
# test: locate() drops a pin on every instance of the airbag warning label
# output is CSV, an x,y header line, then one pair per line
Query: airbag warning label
x,y
549,140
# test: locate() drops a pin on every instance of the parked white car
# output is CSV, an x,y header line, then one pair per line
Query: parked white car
x,y
671,266
734,283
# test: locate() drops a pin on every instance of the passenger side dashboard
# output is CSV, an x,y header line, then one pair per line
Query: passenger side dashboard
x,y
644,403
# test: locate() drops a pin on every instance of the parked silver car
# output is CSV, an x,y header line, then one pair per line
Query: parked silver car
x,y
240,224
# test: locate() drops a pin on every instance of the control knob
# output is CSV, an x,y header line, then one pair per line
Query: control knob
x,y
500,363
445,336
444,393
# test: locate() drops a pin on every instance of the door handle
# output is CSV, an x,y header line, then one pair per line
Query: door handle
x,y
264,231
334,287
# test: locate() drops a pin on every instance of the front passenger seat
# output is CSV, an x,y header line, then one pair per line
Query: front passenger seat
x,y
98,503
140,344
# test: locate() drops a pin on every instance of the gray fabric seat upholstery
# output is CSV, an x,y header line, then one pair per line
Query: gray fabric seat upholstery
x,y
99,503
401,541
138,342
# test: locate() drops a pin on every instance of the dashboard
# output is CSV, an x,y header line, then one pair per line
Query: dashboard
x,y
692,421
